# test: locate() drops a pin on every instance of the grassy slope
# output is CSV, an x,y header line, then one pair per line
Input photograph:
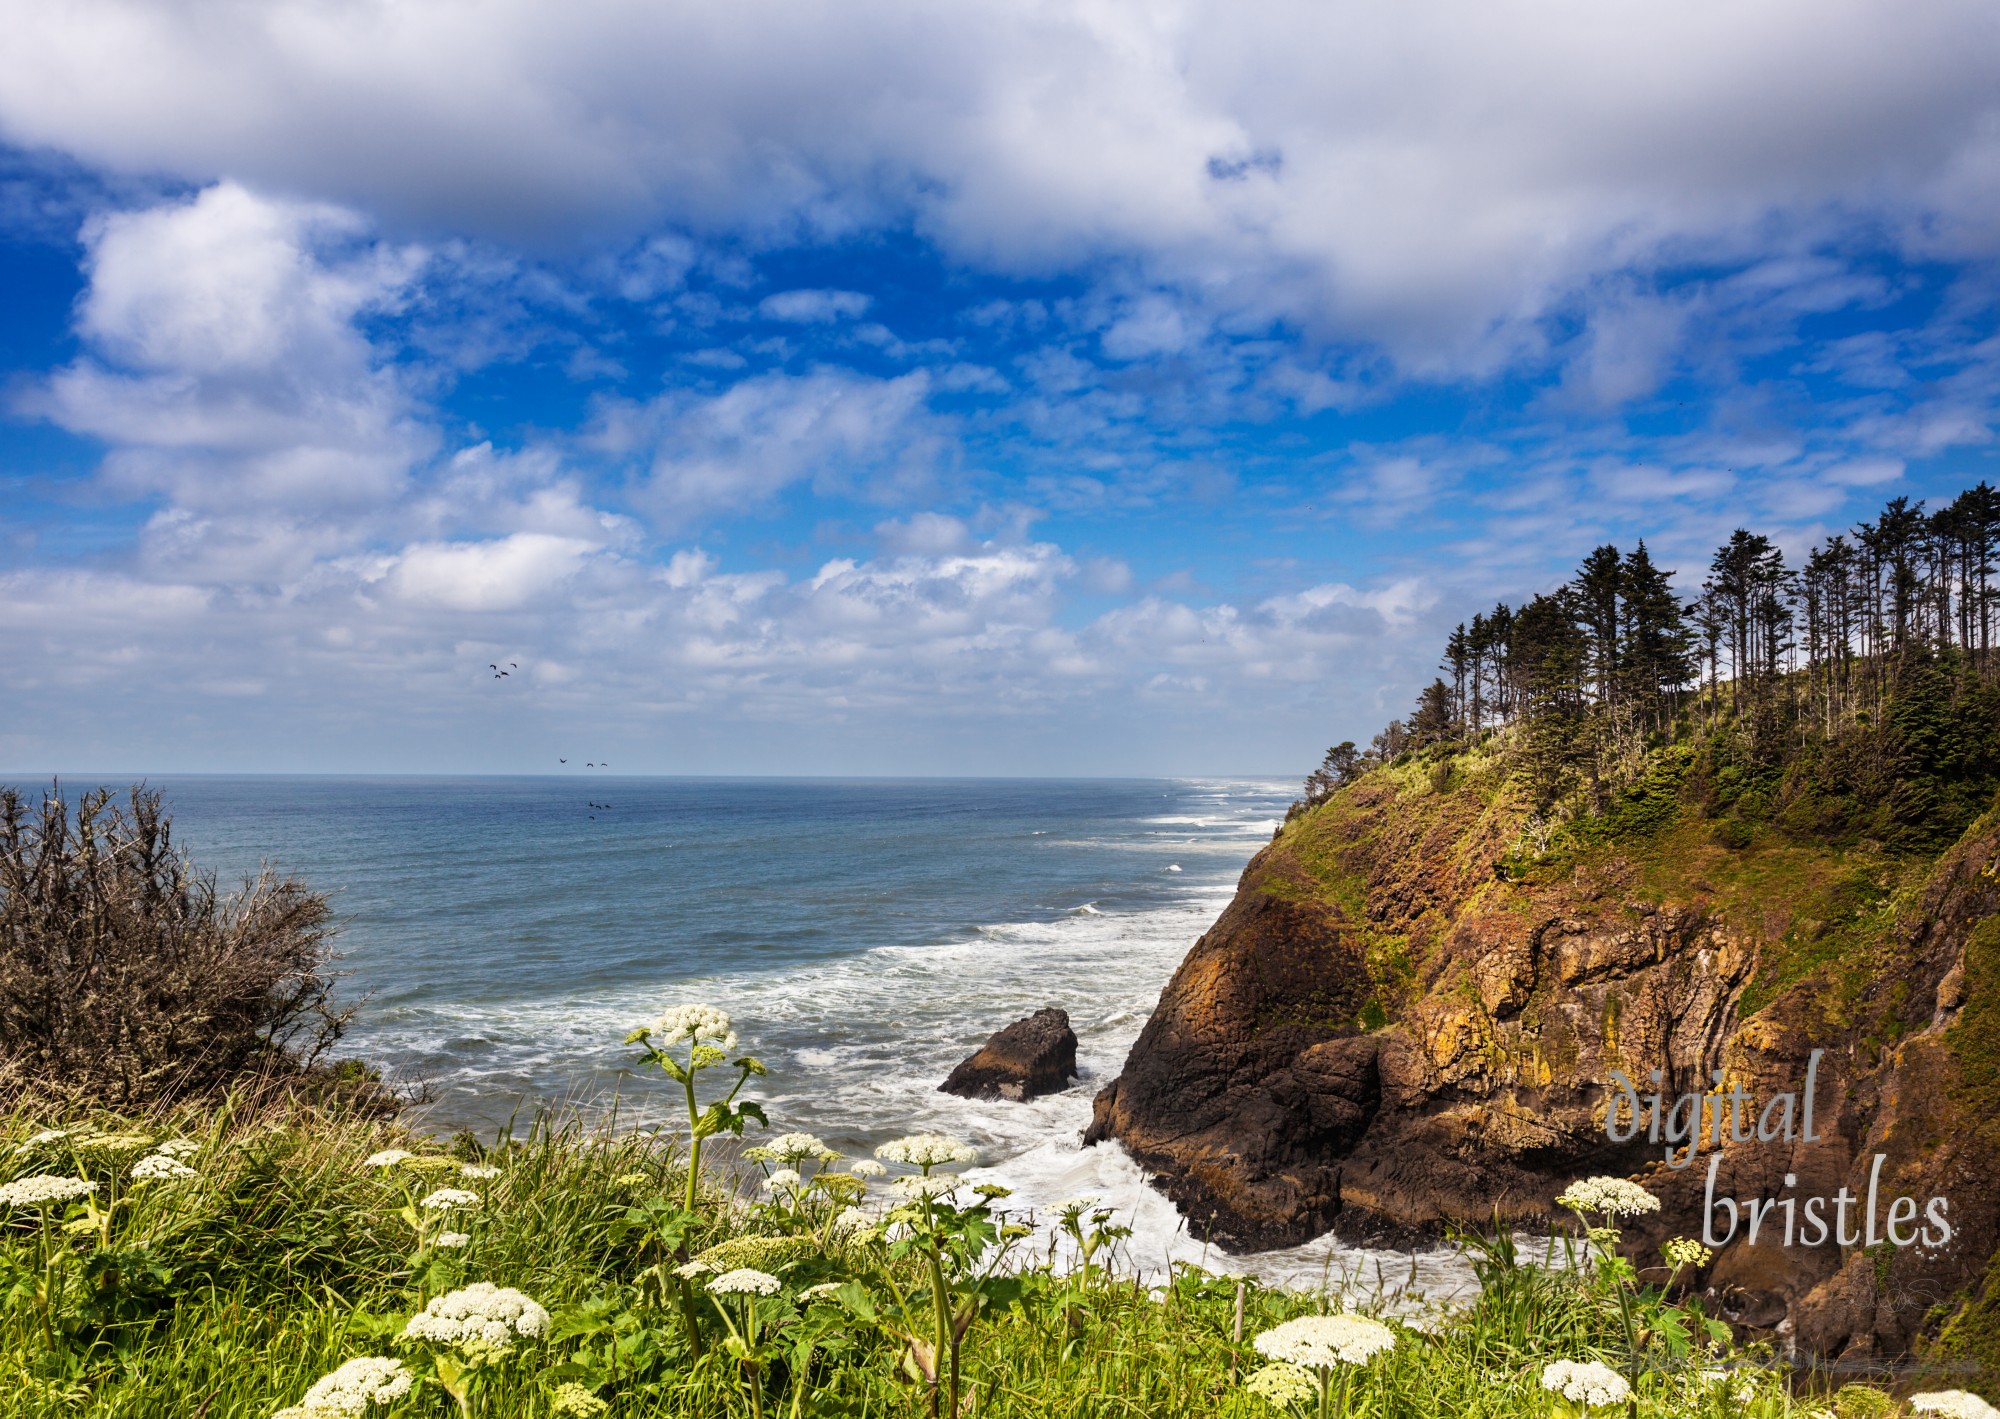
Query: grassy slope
x,y
225,1296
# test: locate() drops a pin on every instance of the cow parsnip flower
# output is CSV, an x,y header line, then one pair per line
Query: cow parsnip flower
x,y
783,1180
478,1170
1284,1386
745,1281
452,1239
1321,1342
160,1167
791,1148
387,1158
573,1401
447,1198
479,1315
178,1148
347,1392
44,1190
1686,1251
1587,1382
1614,1197
1952,1404
866,1168
926,1150
702,1024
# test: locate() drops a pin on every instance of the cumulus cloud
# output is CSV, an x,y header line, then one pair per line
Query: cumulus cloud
x,y
223,359
813,307
1416,175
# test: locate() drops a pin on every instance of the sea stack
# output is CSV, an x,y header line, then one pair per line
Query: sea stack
x,y
1035,1055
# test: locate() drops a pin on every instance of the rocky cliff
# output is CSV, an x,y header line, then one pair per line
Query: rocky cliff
x,y
1411,1014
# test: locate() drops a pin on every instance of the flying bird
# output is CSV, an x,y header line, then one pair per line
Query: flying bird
x,y
562,761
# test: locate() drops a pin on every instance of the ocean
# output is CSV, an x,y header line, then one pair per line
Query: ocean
x,y
504,934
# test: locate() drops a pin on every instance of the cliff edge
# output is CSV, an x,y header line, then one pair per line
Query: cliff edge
x,y
1411,1015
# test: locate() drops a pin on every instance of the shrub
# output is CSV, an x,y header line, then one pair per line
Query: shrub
x,y
126,977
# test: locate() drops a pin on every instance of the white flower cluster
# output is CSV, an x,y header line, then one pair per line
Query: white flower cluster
x,y
348,1391
926,1150
43,1139
1283,1385
1586,1382
703,1024
1615,1197
388,1158
1953,1404
44,1190
452,1239
160,1167
479,1170
923,1189
179,1149
865,1168
791,1148
1321,1342
744,1281
481,1314
783,1180
851,1220
446,1198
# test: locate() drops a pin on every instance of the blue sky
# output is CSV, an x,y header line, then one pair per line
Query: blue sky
x,y
891,388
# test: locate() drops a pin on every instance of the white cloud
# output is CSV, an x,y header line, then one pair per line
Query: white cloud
x,y
224,363
813,307
504,574
730,451
1416,174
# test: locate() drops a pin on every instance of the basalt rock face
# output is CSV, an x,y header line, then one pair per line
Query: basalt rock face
x,y
1382,1035
1033,1056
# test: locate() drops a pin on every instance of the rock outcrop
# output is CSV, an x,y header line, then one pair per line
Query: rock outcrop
x,y
1382,1035
1035,1055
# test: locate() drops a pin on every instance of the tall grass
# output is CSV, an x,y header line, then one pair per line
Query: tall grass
x,y
226,1294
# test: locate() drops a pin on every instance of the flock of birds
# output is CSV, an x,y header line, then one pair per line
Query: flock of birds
x,y
512,666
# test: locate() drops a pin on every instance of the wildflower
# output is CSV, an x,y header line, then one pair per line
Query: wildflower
x,y
431,1163
479,1170
178,1148
783,1180
388,1158
349,1390
115,1143
573,1401
1283,1385
630,1180
1686,1251
791,1148
160,1167
479,1315
44,1190
43,1139
446,1198
922,1189
926,1150
1321,1342
850,1220
1079,1205
703,1024
452,1239
866,1168
744,1281
822,1292
1586,1382
1953,1404
1614,1197
690,1270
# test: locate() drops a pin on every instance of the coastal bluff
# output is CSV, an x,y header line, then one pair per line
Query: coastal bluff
x,y
1409,1018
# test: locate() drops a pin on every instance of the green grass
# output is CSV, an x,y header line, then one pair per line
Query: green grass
x,y
226,1294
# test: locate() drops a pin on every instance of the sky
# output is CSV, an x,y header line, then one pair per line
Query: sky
x,y
1003,387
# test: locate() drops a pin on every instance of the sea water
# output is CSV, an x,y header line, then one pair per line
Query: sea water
x,y
503,935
